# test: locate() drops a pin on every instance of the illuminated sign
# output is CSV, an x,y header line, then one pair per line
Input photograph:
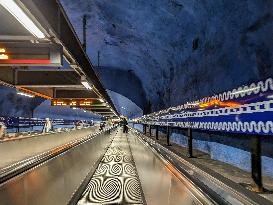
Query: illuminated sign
x,y
76,102
30,54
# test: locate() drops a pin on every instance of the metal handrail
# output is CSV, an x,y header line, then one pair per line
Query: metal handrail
x,y
20,167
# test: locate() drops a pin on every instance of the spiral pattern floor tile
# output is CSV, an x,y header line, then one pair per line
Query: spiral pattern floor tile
x,y
115,180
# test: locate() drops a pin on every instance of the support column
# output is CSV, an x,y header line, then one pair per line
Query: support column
x,y
150,130
168,135
256,163
156,132
190,155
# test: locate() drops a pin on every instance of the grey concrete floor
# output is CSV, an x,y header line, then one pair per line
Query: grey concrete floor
x,y
226,170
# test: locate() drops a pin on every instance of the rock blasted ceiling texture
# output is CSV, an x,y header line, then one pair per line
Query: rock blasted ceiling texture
x,y
180,49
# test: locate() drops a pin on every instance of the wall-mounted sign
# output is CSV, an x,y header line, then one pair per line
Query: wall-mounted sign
x,y
30,54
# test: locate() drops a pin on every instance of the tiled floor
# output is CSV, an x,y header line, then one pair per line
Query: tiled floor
x,y
115,181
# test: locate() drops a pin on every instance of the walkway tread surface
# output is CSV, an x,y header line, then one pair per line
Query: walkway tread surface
x,y
115,180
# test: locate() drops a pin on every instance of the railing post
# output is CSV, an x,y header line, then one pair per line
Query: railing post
x,y
156,132
190,155
168,135
144,128
256,163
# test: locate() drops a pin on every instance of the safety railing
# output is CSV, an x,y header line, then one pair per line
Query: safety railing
x,y
14,122
23,165
247,110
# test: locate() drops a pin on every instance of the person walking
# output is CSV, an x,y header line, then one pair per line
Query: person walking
x,y
125,127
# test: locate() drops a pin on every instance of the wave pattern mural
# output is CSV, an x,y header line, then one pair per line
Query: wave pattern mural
x,y
247,109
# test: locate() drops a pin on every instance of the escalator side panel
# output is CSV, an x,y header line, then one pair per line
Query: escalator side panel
x,y
55,181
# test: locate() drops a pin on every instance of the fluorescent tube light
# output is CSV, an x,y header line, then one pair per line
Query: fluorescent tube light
x,y
101,100
87,86
20,15
85,83
25,94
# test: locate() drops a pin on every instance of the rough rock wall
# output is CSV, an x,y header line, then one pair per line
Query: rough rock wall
x,y
14,105
180,49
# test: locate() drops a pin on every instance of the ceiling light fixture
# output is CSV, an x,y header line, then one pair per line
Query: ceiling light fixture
x,y
20,15
85,83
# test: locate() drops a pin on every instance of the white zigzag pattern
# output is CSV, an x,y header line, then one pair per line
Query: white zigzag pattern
x,y
262,86
266,106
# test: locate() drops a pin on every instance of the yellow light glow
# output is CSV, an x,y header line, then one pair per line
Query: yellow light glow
x,y
219,103
2,50
88,103
4,57
73,103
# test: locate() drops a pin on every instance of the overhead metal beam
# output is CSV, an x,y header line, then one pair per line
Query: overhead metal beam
x,y
43,91
7,75
108,115
17,38
54,78
64,93
31,54
53,19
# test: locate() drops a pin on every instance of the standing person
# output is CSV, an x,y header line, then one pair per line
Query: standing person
x,y
125,123
102,125
47,126
2,130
